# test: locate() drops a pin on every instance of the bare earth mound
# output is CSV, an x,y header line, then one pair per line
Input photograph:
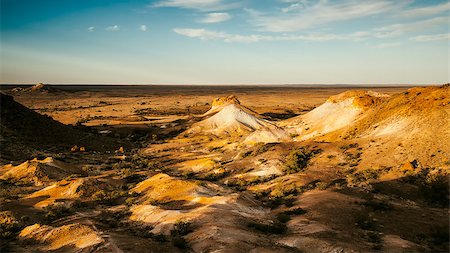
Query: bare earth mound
x,y
37,171
336,113
68,238
228,118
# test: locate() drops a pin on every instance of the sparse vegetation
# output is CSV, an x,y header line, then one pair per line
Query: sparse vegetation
x,y
9,226
108,197
262,148
238,194
363,177
90,170
212,176
180,229
113,219
349,146
55,212
297,160
435,188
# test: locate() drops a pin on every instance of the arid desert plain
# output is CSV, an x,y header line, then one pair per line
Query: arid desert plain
x,y
224,168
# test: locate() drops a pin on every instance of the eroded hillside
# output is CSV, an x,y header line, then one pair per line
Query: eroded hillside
x,y
364,171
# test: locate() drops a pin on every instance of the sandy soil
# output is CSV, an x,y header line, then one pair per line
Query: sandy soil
x,y
356,172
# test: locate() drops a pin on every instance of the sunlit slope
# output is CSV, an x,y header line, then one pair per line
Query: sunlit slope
x,y
229,119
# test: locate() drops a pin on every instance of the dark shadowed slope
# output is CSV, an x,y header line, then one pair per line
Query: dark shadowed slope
x,y
23,131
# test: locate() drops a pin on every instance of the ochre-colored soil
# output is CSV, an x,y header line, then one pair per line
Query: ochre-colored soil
x,y
224,169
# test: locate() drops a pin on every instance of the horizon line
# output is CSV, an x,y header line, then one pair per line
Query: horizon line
x,y
224,84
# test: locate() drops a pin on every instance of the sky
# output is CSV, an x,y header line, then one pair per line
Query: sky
x,y
225,41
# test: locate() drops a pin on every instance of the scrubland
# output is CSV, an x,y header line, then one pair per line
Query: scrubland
x,y
224,169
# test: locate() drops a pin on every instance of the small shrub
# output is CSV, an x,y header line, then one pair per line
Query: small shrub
x,y
246,154
9,227
189,175
212,176
262,148
127,172
181,228
213,149
349,146
113,219
436,189
237,184
365,176
109,197
130,201
55,212
321,186
90,170
297,160
72,176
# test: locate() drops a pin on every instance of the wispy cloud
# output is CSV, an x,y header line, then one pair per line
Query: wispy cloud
x,y
388,45
426,11
400,29
294,5
304,15
91,29
113,28
433,37
143,28
201,5
215,17
204,34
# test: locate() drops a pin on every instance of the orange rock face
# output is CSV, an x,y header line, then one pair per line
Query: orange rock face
x,y
232,99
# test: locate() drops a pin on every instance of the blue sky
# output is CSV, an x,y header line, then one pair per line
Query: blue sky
x,y
225,41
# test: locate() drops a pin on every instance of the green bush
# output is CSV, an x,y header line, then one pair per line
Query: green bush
x,y
55,212
436,189
247,153
364,176
297,160
181,228
9,226
90,170
114,219
109,197
263,147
